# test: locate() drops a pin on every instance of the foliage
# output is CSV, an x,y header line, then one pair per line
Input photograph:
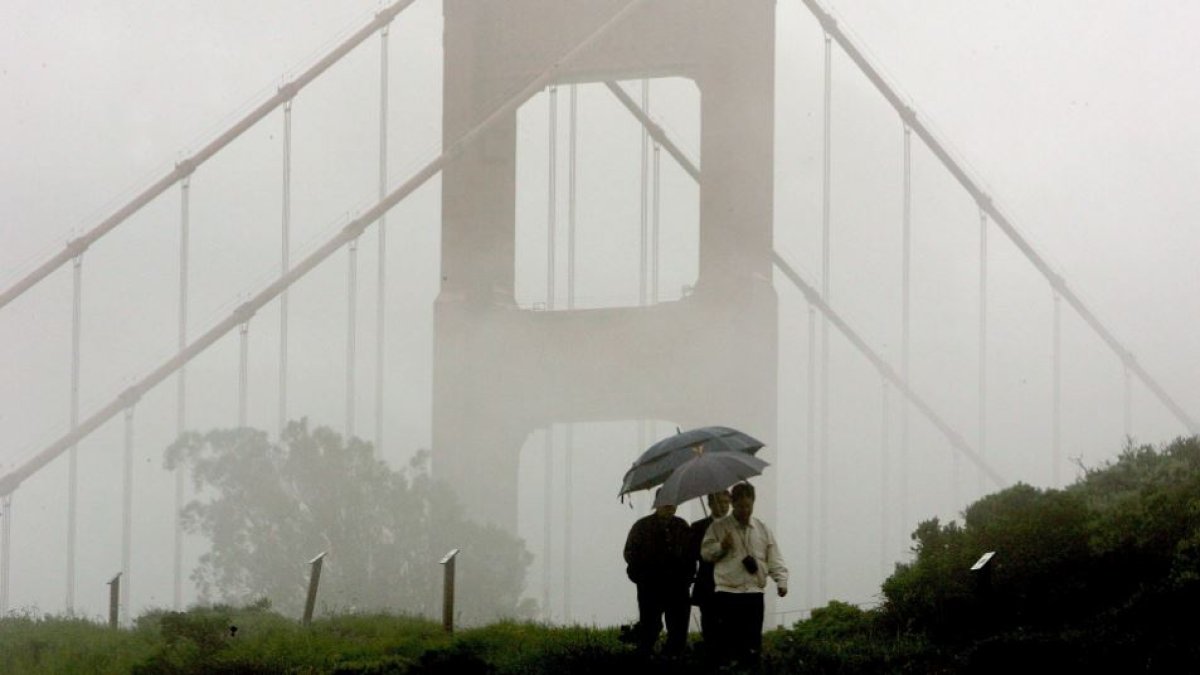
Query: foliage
x,y
267,508
842,638
1099,577
47,644
1089,576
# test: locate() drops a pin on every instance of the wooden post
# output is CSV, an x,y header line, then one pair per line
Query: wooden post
x,y
313,580
114,600
447,563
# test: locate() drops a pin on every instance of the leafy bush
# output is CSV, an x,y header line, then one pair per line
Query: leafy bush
x,y
1091,575
842,638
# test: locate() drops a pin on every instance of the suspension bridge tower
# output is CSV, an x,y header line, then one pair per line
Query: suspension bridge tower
x,y
501,371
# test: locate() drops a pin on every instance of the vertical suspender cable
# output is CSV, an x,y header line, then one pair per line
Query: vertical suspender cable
x,y
885,506
551,245
1128,404
1056,422
6,522
642,246
905,317
552,198
643,275
351,332
826,187
546,521
73,458
983,322
127,512
654,224
569,441
810,496
243,365
571,164
568,470
285,247
181,381
381,283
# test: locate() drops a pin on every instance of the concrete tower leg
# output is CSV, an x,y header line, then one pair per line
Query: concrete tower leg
x,y
711,358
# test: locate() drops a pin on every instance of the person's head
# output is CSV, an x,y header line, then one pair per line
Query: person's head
x,y
665,510
743,502
718,503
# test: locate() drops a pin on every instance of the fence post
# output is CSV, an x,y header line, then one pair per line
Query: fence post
x,y
313,580
447,564
114,600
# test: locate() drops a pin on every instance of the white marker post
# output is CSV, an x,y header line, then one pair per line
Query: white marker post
x,y
447,563
114,600
314,580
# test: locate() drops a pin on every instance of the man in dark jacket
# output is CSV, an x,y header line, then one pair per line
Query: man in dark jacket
x,y
659,559
703,587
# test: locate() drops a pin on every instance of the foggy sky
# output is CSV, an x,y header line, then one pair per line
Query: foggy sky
x,y
1078,117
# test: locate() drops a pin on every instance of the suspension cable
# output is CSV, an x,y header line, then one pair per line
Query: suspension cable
x,y
381,282
983,324
181,382
551,196
985,202
285,265
571,177
10,481
645,181
285,93
351,333
243,371
73,459
956,440
905,321
1056,419
826,191
6,522
127,512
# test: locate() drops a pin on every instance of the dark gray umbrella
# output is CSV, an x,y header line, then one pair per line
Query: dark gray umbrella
x,y
706,473
659,460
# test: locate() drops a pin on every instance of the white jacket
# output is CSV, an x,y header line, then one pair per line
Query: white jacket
x,y
755,539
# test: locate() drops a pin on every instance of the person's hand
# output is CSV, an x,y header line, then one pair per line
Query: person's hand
x,y
727,541
782,590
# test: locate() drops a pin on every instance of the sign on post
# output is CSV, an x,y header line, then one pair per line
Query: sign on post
x,y
447,563
313,580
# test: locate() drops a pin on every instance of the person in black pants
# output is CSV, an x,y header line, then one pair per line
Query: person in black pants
x,y
744,555
702,587
660,563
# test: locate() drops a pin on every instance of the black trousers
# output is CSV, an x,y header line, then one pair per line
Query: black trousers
x,y
710,622
740,629
656,601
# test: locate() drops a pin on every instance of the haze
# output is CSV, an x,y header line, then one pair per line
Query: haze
x,y
1078,117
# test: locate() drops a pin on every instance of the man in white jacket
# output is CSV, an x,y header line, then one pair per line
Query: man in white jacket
x,y
744,553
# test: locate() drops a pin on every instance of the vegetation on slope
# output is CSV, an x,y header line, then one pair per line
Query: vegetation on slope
x,y
1103,575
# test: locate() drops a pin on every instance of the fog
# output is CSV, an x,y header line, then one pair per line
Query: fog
x,y
1077,119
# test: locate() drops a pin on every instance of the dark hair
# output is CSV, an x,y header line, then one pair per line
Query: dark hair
x,y
742,490
712,496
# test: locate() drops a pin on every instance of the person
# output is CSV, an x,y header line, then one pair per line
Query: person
x,y
702,587
744,553
658,561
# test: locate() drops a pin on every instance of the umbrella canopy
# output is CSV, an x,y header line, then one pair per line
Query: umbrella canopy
x,y
706,473
659,460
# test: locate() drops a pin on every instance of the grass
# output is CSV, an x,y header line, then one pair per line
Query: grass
x,y
201,640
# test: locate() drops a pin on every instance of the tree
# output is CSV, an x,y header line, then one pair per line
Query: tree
x,y
267,508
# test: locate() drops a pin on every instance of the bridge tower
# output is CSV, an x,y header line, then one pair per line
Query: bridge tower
x,y
500,371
